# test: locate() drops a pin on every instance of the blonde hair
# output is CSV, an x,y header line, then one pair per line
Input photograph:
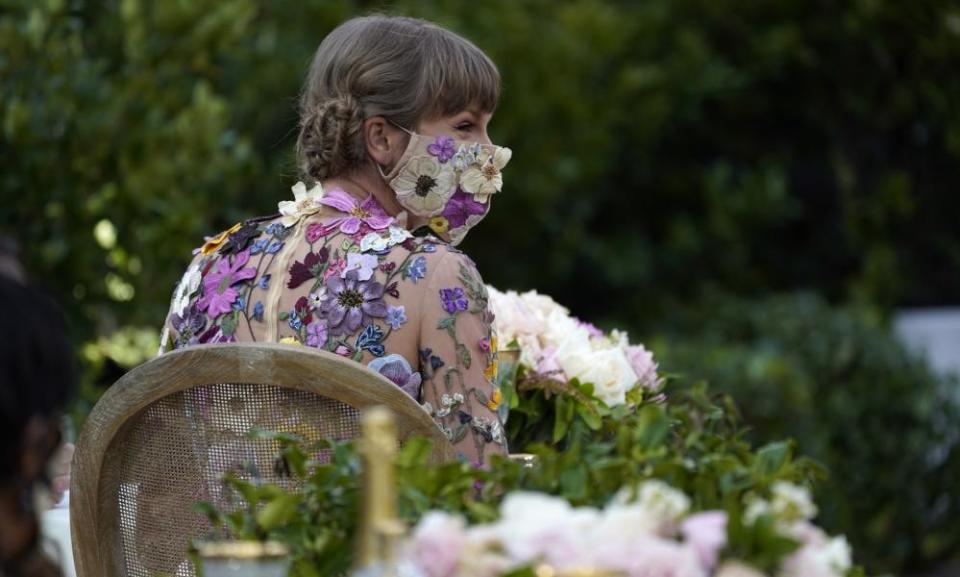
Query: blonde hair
x,y
404,69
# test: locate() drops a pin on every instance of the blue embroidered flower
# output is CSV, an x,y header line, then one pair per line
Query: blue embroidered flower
x,y
264,282
396,316
274,247
294,322
370,339
258,311
259,245
276,229
429,247
240,304
418,269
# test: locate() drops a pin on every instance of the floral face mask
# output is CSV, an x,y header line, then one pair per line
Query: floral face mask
x,y
447,184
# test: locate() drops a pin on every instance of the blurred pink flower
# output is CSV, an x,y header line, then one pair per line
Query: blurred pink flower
x,y
706,533
643,365
437,544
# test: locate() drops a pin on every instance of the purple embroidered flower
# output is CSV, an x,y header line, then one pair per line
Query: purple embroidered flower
x,y
397,369
461,206
350,303
219,293
274,247
443,148
396,316
264,282
453,299
317,334
368,213
417,269
189,326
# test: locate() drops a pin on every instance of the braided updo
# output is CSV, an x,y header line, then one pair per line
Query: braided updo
x,y
404,69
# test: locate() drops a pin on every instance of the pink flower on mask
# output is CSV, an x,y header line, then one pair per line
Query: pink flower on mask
x,y
368,213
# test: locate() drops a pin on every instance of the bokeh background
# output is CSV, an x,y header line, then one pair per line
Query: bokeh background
x,y
752,188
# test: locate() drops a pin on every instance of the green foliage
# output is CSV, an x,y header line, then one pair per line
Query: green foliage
x,y
693,443
854,399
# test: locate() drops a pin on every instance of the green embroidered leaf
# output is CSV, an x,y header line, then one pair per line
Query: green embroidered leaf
x,y
463,355
447,323
284,315
228,323
459,434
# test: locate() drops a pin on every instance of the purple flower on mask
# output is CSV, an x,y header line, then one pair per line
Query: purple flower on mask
x,y
453,299
218,291
350,303
398,370
368,213
462,206
443,148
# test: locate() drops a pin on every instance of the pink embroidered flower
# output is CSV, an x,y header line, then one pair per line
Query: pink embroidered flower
x,y
318,230
707,533
219,293
368,213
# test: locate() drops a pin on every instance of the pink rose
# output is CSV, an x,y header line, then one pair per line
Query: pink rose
x,y
707,533
643,365
437,544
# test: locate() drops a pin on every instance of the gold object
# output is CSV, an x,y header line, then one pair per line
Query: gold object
x,y
380,529
243,550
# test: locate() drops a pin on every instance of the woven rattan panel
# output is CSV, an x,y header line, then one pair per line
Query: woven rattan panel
x,y
177,450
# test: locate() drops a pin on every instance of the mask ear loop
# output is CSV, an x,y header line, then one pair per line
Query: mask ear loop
x,y
408,131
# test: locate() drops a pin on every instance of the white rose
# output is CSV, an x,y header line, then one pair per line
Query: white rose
x,y
534,526
608,370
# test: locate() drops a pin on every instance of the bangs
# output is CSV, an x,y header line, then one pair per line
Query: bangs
x,y
458,76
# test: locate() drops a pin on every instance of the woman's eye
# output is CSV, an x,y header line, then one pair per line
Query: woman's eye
x,y
464,126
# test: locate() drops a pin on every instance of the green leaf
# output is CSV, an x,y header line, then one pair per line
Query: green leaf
x,y
771,458
463,354
278,511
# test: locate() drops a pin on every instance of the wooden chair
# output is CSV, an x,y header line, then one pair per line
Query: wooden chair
x,y
163,436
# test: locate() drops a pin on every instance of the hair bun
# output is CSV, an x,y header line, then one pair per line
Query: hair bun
x,y
331,140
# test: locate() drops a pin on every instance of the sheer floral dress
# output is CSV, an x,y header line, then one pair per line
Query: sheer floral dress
x,y
338,274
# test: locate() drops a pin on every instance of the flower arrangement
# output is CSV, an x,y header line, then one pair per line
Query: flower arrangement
x,y
556,346
647,531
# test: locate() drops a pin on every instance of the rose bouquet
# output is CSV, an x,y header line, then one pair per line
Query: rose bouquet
x,y
557,370
645,532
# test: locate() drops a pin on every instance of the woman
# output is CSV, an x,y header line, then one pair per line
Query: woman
x,y
393,141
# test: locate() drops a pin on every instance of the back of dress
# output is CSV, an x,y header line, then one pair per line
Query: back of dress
x,y
347,278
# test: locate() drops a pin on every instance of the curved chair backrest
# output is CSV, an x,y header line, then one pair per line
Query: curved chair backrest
x,y
162,437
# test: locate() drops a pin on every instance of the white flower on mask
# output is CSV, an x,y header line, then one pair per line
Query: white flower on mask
x,y
304,202
424,185
484,178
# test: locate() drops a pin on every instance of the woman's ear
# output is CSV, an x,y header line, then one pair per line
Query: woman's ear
x,y
385,143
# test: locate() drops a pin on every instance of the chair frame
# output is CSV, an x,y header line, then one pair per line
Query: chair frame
x,y
94,486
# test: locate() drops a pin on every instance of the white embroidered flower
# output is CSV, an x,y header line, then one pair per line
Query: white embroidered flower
x,y
187,287
315,299
377,242
424,185
304,202
465,156
484,178
363,264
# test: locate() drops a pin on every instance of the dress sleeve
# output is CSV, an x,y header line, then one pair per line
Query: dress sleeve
x,y
458,359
